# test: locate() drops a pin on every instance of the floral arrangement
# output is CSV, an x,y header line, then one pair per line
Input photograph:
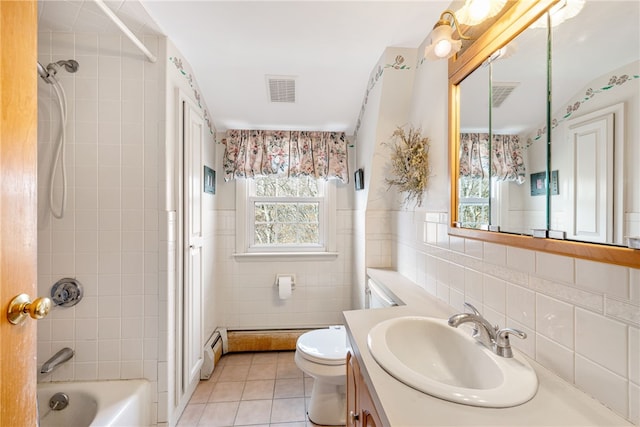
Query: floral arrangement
x,y
409,163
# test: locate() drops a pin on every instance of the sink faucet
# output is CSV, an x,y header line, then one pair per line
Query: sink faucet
x,y
56,360
490,336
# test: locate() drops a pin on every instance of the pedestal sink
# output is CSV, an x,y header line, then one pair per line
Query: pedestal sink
x,y
434,358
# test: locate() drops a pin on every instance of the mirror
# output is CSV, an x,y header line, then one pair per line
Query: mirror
x,y
505,98
595,129
600,42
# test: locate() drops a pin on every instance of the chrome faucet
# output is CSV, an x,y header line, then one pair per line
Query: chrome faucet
x,y
56,360
492,337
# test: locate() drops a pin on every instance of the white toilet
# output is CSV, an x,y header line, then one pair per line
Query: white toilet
x,y
322,354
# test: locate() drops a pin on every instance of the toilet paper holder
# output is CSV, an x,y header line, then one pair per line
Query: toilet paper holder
x,y
293,280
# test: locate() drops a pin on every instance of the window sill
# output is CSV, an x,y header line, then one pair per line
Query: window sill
x,y
286,256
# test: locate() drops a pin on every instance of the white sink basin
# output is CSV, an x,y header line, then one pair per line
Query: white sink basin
x,y
435,358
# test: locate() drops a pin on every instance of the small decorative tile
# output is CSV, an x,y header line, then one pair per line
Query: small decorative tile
x,y
569,294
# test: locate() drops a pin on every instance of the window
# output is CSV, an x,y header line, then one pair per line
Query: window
x,y
284,215
473,202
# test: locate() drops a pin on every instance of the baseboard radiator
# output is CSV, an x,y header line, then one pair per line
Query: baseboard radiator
x,y
263,340
212,354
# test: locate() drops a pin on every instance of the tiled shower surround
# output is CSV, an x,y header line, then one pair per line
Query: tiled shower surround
x,y
582,317
109,238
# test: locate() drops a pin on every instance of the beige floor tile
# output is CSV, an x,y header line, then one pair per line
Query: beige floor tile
x,y
288,370
253,412
288,410
238,359
234,373
219,414
296,424
257,390
286,356
227,391
265,357
289,387
262,371
203,391
191,415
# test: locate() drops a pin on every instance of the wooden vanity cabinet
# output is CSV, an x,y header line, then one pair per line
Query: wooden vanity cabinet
x,y
361,411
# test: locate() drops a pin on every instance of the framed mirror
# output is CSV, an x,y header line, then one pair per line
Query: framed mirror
x,y
545,196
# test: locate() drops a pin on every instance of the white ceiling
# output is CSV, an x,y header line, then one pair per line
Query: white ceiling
x,y
329,46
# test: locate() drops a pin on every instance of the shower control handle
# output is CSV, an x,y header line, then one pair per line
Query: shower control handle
x,y
22,307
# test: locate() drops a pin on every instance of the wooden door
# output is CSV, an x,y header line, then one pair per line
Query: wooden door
x,y
18,217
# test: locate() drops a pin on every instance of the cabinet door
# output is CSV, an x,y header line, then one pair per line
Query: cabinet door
x,y
353,374
369,415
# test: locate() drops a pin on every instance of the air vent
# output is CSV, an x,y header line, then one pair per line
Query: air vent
x,y
281,88
500,92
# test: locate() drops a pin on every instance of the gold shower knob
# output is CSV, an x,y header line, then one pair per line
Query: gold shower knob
x,y
21,307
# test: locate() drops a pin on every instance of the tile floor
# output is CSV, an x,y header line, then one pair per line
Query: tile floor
x,y
252,389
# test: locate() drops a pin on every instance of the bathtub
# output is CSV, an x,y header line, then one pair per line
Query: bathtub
x,y
122,403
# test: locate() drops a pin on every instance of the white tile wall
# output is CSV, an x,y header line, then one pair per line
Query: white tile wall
x,y
582,318
108,238
249,298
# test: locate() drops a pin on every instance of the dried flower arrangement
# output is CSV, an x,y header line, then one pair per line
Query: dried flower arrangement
x,y
409,163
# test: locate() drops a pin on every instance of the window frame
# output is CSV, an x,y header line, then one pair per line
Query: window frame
x,y
245,223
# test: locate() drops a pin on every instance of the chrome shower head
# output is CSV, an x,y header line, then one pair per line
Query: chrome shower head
x,y
48,74
70,65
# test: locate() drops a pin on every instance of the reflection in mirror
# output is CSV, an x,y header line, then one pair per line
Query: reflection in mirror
x,y
473,182
504,98
595,127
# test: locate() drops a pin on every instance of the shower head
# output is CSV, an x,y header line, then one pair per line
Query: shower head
x,y
48,74
70,65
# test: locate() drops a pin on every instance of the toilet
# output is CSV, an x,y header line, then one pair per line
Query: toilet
x,y
322,354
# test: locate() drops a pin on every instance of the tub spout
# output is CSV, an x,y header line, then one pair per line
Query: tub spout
x,y
58,359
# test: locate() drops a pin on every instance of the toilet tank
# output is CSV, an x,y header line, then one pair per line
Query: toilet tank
x,y
377,296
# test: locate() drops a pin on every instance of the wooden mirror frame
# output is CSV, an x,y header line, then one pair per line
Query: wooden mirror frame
x,y
506,28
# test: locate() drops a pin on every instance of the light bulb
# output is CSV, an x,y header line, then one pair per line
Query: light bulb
x,y
442,48
479,9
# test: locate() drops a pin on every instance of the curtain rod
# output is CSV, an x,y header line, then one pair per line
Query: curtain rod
x,y
127,32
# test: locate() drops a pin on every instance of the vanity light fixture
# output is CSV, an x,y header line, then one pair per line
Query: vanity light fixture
x,y
476,11
564,10
441,43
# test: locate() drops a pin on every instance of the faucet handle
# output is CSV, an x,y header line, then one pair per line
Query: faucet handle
x,y
503,345
472,308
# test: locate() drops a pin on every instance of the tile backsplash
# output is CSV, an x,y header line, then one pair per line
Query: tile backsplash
x,y
582,317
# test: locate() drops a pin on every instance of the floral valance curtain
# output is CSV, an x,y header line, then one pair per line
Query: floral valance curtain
x,y
251,153
507,163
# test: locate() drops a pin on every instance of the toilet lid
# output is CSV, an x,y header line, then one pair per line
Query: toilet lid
x,y
324,346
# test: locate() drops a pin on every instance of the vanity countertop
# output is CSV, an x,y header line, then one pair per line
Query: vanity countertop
x,y
557,403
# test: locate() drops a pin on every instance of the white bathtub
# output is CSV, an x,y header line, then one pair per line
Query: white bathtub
x,y
123,403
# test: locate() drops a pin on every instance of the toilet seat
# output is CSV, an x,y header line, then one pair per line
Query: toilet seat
x,y
324,346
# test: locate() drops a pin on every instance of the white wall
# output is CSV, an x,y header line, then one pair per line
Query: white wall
x,y
246,295
109,236
582,317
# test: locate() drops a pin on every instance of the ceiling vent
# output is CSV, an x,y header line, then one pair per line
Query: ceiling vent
x,y
500,92
281,88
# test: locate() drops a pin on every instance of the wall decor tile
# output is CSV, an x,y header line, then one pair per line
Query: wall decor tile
x,y
634,355
554,356
602,340
555,320
569,294
555,267
523,260
521,305
507,274
603,278
604,385
623,311
494,253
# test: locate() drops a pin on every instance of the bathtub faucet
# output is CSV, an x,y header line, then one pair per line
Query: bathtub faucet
x,y
58,359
